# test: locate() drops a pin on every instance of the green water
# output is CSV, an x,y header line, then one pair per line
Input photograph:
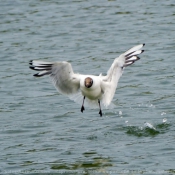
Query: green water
x,y
43,132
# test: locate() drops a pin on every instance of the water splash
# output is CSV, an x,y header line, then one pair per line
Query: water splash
x,y
120,113
164,120
163,113
147,129
149,125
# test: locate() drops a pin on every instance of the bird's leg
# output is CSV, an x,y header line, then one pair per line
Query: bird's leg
x,y
100,112
82,107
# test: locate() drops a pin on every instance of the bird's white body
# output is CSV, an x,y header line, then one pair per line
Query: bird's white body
x,y
101,89
93,93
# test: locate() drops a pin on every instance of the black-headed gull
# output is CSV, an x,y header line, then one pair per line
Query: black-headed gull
x,y
91,89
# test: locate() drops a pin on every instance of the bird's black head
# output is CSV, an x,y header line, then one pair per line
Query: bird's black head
x,y
88,82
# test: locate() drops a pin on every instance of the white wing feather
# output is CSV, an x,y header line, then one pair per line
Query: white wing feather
x,y
64,78
61,73
110,81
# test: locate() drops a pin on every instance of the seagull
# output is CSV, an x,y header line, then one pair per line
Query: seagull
x,y
91,89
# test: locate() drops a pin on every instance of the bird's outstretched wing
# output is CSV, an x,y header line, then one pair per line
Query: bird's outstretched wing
x,y
110,81
61,73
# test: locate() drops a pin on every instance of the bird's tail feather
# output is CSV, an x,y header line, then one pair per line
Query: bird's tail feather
x,y
45,68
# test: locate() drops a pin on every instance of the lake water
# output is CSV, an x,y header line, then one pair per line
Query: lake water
x,y
42,131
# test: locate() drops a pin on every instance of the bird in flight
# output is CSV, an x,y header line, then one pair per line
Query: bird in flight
x,y
90,89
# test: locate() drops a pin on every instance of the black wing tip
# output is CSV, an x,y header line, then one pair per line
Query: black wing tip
x,y
138,58
42,74
133,52
143,44
31,67
37,75
31,62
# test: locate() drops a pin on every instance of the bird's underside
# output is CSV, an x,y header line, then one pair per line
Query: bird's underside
x,y
69,83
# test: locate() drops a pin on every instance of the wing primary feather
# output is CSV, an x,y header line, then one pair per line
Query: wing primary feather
x,y
129,54
44,67
133,58
135,53
132,50
128,64
42,73
39,69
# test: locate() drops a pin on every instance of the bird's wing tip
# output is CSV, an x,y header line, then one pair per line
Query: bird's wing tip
x,y
31,62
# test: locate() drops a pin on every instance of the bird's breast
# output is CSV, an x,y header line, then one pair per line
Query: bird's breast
x,y
94,92
91,93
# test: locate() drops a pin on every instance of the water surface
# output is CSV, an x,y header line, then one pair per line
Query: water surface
x,y
43,131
